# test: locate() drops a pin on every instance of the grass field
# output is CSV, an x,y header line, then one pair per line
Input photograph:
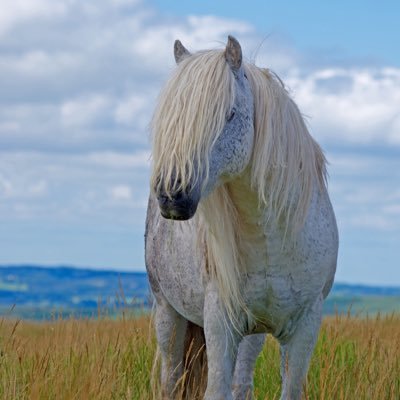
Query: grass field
x,y
113,359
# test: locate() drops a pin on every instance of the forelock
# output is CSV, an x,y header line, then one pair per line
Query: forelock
x,y
190,114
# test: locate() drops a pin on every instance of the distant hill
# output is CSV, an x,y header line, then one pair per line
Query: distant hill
x,y
362,299
36,292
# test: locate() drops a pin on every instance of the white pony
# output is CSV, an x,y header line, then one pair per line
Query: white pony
x,y
241,238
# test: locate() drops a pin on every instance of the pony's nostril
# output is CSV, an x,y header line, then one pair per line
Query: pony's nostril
x,y
163,198
176,197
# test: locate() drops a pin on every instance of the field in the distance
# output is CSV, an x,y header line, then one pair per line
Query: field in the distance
x,y
113,359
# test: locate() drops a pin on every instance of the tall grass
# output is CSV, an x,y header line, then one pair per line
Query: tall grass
x,y
76,359
112,359
355,358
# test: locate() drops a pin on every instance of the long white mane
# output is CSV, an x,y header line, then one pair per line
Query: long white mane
x,y
287,162
190,114
285,167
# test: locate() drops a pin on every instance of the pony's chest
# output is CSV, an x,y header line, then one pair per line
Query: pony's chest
x,y
276,299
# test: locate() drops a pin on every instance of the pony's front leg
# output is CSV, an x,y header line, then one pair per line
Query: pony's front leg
x,y
249,349
170,330
222,342
297,351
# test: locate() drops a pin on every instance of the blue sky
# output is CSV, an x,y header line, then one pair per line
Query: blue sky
x,y
78,84
362,30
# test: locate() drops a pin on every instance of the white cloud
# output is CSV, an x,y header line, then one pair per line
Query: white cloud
x,y
110,159
134,110
79,81
125,2
18,11
74,188
121,193
6,188
351,106
392,209
365,190
84,110
394,131
37,189
94,85
12,189
35,64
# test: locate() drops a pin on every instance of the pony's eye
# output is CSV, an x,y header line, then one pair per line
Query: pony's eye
x,y
231,115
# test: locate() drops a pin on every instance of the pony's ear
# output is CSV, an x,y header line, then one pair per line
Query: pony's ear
x,y
180,52
233,53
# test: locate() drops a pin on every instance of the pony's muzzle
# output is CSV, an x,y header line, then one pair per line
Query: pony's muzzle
x,y
180,206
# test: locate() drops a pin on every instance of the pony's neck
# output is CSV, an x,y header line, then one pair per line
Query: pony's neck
x,y
251,217
245,199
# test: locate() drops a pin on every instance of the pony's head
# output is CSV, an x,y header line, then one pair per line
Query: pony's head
x,y
203,129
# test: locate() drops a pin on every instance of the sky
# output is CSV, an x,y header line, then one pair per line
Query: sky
x,y
78,84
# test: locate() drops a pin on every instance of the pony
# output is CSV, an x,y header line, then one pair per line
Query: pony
x,y
241,238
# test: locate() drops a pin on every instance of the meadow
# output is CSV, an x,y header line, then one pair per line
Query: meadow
x,y
105,358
